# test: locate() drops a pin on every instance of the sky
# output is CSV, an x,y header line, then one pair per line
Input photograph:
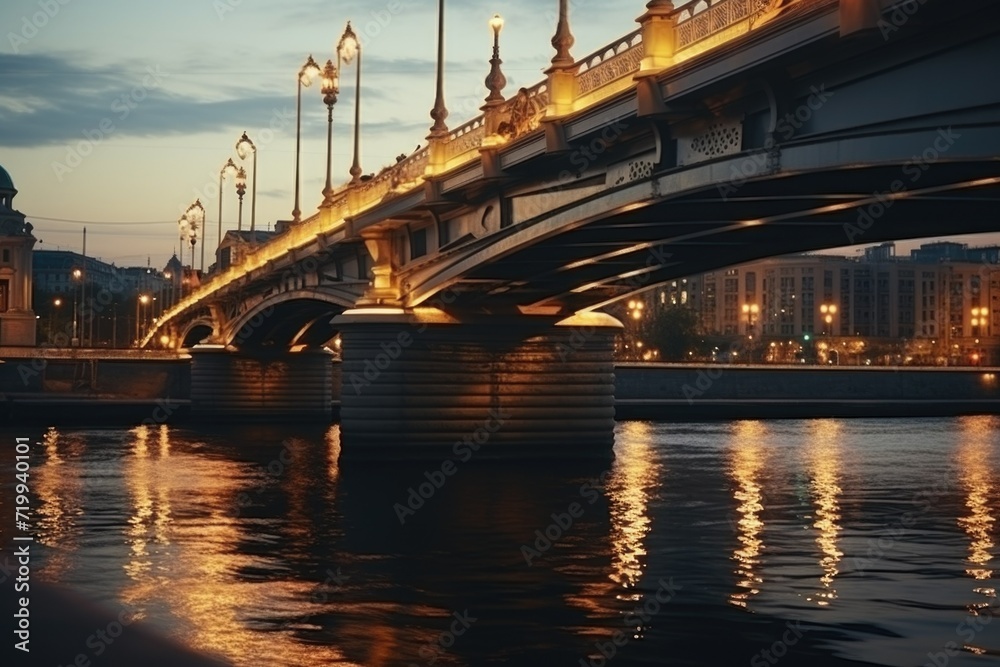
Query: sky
x,y
116,114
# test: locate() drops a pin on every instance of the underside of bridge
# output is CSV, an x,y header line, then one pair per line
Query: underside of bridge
x,y
594,264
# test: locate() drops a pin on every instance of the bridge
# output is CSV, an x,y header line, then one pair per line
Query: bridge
x,y
465,281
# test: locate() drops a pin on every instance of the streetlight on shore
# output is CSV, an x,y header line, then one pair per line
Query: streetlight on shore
x,y
308,72
750,310
828,310
141,299
77,275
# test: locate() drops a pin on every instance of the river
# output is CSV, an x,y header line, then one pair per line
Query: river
x,y
814,542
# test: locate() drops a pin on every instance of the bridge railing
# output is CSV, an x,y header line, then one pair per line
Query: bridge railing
x,y
701,19
697,25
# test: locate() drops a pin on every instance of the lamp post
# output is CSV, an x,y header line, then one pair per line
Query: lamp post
x,y
241,188
331,86
170,290
182,231
635,308
196,217
439,112
227,169
978,319
245,147
750,310
308,72
828,310
77,275
347,48
495,80
141,299
55,303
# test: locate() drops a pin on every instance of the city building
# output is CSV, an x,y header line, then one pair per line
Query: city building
x,y
60,272
17,318
943,301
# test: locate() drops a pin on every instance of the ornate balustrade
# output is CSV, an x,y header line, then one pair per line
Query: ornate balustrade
x,y
702,19
618,59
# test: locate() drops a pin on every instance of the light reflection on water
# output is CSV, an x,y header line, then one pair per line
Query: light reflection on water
x,y
259,546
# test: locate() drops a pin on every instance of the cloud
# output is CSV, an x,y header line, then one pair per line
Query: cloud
x,y
77,103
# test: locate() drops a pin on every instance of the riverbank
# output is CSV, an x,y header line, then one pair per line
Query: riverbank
x,y
90,388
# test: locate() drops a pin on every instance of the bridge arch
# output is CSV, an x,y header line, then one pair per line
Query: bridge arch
x,y
196,331
297,317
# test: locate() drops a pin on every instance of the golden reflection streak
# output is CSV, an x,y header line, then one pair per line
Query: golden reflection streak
x,y
824,458
199,579
974,464
634,474
747,460
59,487
142,504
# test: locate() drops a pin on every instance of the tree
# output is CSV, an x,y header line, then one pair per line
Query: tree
x,y
674,332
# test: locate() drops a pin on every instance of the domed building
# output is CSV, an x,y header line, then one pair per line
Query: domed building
x,y
17,319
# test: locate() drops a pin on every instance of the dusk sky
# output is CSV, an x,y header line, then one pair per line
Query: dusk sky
x,y
116,115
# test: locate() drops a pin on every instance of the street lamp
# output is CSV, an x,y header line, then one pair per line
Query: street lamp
x,y
978,320
228,169
331,86
828,310
439,112
241,188
495,80
182,231
170,294
196,217
347,48
308,72
245,147
77,275
142,299
750,310
56,303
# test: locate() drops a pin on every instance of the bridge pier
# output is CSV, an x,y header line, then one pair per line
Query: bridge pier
x,y
422,384
228,383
